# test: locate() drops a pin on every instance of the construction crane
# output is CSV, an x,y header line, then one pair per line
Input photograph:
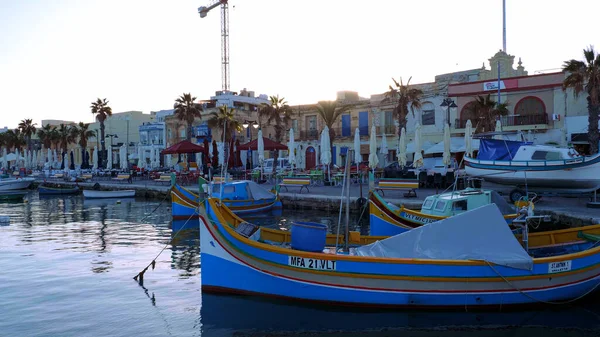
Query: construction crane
x,y
203,10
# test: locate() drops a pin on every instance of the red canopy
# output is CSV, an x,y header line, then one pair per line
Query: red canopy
x,y
183,147
269,145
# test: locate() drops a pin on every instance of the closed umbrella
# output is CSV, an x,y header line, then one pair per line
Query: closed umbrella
x,y
446,155
49,158
66,162
498,129
221,149
384,148
291,148
468,132
373,160
109,157
4,159
402,148
95,158
261,148
238,158
140,156
18,158
418,159
72,166
326,149
215,154
357,156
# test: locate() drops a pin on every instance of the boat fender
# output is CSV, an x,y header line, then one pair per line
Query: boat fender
x,y
361,202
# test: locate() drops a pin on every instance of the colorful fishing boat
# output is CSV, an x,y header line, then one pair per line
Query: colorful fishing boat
x,y
388,219
465,261
60,190
242,197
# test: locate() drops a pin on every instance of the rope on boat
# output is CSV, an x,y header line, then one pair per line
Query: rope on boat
x,y
539,300
140,276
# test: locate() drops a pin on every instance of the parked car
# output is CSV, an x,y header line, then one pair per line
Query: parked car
x,y
363,165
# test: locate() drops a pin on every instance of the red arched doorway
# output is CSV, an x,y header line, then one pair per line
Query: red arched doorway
x,y
311,158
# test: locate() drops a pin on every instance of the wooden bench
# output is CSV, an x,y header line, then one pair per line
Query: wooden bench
x,y
398,184
164,178
58,176
122,177
219,179
87,176
295,182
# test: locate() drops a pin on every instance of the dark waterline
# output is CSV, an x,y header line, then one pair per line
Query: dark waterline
x,y
68,263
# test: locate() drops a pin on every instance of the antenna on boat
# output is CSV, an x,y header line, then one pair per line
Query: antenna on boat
x,y
345,185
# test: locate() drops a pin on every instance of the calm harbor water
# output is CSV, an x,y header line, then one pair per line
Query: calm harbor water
x,y
68,266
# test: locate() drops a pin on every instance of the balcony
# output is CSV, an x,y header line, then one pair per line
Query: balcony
x,y
309,134
388,129
512,120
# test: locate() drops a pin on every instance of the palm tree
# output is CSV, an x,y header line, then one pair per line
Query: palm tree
x,y
82,133
403,96
186,110
102,111
330,112
278,114
14,139
45,135
66,135
586,76
224,116
27,127
486,111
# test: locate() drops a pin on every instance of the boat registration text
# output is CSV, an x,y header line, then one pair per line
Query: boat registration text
x,y
308,263
558,267
416,218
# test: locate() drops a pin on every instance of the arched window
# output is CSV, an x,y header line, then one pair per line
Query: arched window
x,y
530,110
468,112
530,105
428,114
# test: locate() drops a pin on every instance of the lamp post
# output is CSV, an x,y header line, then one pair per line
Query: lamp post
x,y
98,148
448,103
111,145
127,118
249,134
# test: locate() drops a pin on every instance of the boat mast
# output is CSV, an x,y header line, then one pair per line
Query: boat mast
x,y
347,231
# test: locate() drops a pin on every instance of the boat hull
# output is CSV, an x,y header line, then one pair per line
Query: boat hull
x,y
383,221
90,194
576,179
44,190
15,184
237,265
13,195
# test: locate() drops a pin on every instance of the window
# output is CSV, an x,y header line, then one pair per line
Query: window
x,y
427,204
363,123
389,118
182,132
428,114
546,155
346,132
460,205
440,205
530,105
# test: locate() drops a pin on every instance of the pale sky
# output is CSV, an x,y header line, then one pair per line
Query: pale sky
x,y
57,56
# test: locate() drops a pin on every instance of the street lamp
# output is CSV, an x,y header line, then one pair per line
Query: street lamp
x,y
249,134
449,103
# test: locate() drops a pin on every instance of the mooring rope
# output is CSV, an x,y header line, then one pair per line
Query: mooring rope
x,y
140,276
154,210
537,299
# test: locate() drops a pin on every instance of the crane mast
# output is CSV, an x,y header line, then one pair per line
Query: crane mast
x,y
203,11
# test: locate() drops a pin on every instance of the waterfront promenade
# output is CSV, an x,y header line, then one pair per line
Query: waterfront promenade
x,y
569,210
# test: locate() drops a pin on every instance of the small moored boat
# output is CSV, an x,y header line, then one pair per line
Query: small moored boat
x,y
8,184
48,190
388,219
468,260
93,194
13,195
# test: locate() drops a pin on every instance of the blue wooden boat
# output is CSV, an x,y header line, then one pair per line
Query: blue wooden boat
x,y
387,219
242,197
469,260
47,190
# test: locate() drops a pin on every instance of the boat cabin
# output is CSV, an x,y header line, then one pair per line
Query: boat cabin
x,y
452,203
510,150
241,190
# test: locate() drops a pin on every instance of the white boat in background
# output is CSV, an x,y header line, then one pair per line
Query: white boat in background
x,y
92,194
543,167
9,184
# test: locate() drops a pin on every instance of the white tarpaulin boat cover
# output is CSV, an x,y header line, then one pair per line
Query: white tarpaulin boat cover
x,y
480,234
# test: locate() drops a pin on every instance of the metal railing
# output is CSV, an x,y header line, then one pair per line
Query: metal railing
x,y
513,120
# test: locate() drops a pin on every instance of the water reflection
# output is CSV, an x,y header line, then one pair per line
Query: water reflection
x,y
220,313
